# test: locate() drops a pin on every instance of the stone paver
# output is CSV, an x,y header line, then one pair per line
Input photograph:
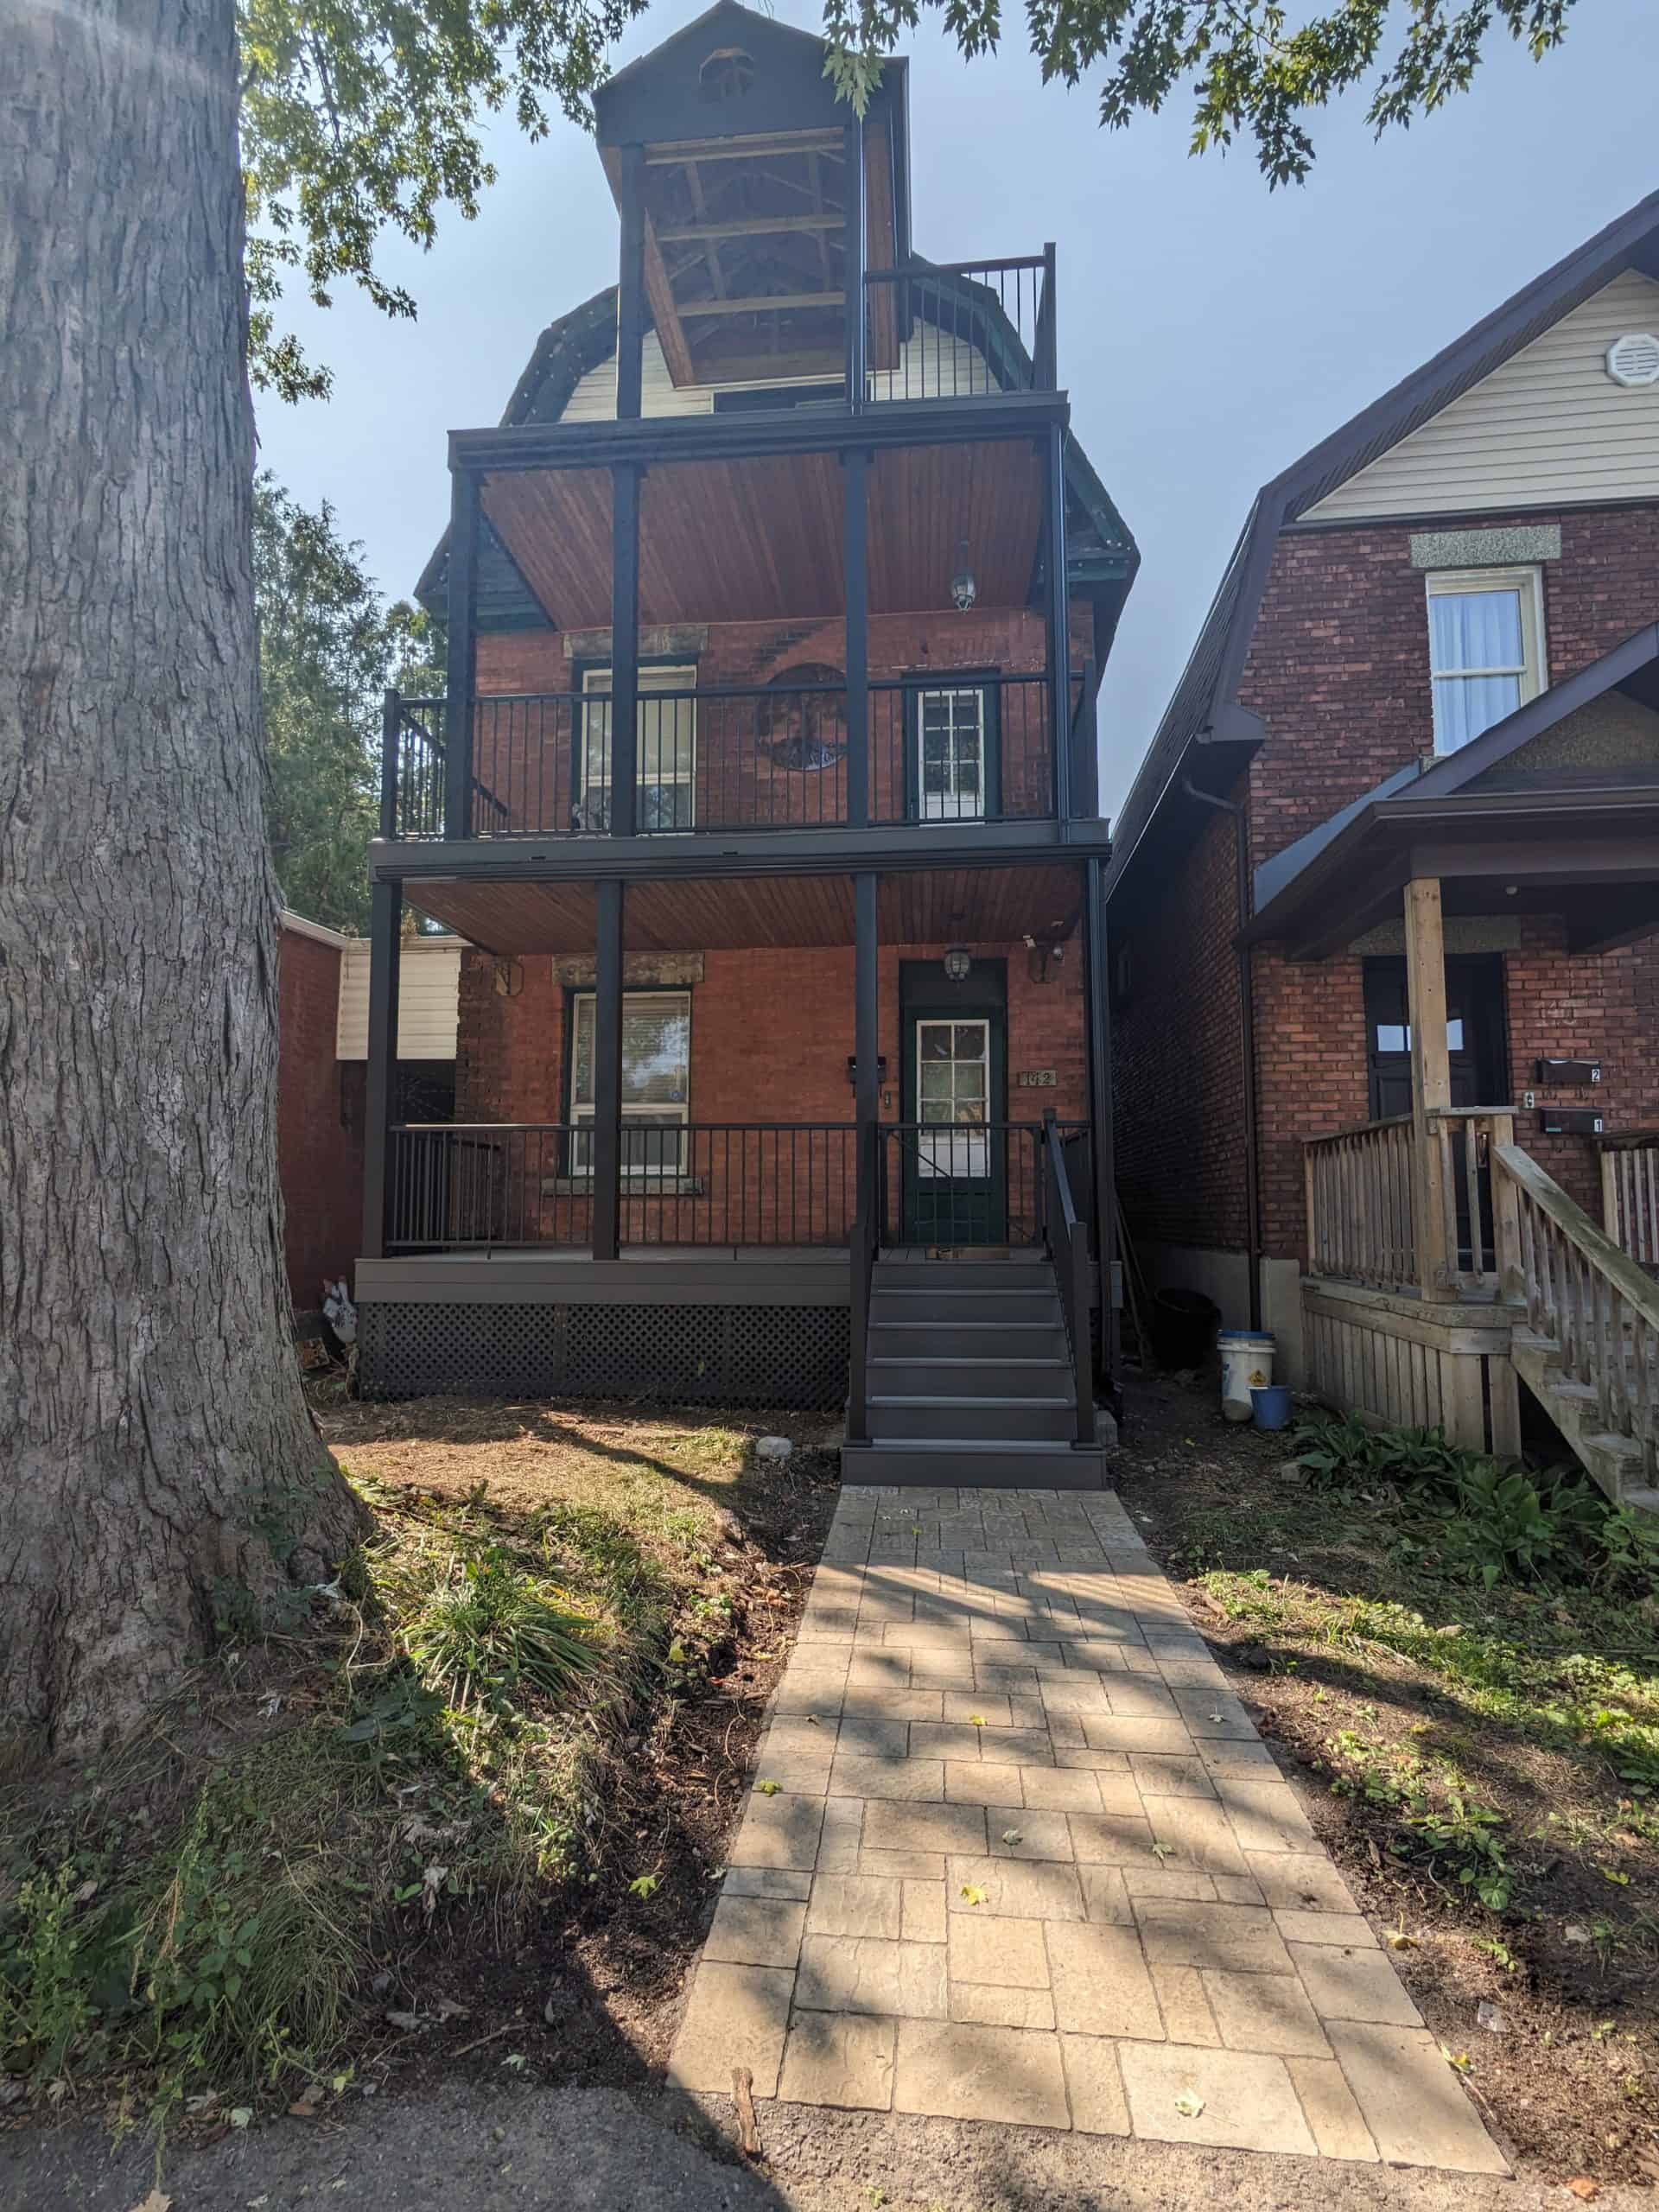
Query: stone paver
x,y
1027,1861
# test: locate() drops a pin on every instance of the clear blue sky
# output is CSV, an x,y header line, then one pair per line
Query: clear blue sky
x,y
1210,330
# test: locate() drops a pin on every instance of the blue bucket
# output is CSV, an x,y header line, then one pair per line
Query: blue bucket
x,y
1270,1405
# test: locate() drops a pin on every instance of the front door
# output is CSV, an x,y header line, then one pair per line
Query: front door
x,y
1475,1050
954,1171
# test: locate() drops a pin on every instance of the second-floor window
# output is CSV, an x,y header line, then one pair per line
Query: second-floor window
x,y
1485,648
667,749
953,755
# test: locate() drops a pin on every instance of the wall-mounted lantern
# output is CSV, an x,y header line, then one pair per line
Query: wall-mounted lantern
x,y
958,962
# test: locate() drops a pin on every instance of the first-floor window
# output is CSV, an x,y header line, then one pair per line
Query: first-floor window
x,y
950,754
666,748
656,1081
1485,648
953,1086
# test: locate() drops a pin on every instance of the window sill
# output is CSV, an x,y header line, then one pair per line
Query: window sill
x,y
634,1186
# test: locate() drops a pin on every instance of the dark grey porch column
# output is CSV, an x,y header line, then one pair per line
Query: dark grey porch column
x,y
460,669
855,573
852,265
606,1149
625,647
385,945
1097,1011
867,1108
1058,613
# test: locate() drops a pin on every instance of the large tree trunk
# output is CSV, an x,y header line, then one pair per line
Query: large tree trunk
x,y
157,1464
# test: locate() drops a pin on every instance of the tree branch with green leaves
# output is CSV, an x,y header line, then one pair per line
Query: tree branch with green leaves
x,y
1251,73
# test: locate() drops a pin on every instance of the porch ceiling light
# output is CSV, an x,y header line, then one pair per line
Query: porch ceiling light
x,y
964,586
957,962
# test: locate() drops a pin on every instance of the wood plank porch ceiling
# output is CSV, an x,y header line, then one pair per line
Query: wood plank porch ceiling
x,y
759,539
977,905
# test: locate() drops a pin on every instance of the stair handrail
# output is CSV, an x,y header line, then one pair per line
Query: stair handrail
x,y
1599,1307
1067,1240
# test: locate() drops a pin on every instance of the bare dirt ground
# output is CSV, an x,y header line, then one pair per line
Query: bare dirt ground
x,y
540,2085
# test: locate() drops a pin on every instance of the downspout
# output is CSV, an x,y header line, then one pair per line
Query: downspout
x,y
1246,1040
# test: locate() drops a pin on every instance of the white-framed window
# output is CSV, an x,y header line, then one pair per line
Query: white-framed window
x,y
953,1086
1485,648
667,746
950,754
656,1081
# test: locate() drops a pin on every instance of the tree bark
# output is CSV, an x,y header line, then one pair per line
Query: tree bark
x,y
159,1465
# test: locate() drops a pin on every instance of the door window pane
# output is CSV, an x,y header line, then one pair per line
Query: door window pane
x,y
953,1085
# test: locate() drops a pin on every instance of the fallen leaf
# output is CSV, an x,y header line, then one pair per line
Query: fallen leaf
x,y
1189,2104
1575,1934
304,2108
743,2098
1459,2060
1013,1835
1491,2018
972,1894
976,1720
768,1789
1162,1850
407,2022
1397,1940
241,2115
1584,2189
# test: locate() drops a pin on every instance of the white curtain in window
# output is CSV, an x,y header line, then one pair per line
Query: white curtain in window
x,y
1479,631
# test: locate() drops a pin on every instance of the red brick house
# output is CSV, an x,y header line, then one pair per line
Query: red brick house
x,y
764,791
1383,895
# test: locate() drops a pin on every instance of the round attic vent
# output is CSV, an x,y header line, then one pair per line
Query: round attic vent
x,y
726,74
1634,359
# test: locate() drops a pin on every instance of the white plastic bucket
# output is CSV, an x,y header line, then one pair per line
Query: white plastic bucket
x,y
1246,1365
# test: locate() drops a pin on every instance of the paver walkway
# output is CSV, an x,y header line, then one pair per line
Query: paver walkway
x,y
1014,1852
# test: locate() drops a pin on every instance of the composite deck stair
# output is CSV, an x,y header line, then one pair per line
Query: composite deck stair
x,y
970,1380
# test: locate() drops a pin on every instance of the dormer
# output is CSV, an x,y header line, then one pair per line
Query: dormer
x,y
747,172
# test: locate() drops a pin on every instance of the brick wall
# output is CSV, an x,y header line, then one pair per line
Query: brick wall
x,y
771,1030
320,1160
1177,1054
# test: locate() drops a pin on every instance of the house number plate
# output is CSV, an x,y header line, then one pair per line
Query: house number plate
x,y
1035,1079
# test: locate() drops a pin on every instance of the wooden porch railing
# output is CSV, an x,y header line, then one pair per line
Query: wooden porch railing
x,y
1360,1203
1630,1193
1463,1139
1586,1295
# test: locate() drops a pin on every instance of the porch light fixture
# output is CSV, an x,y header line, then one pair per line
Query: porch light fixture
x,y
964,586
958,961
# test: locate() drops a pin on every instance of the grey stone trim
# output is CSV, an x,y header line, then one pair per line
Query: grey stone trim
x,y
666,971
663,641
1486,549
1463,933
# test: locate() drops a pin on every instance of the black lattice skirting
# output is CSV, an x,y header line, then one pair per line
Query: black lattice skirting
x,y
792,1356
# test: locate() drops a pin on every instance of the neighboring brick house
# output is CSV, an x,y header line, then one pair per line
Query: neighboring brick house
x,y
764,790
1430,663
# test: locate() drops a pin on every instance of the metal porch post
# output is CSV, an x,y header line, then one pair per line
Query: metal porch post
x,y
1098,1015
1059,637
855,567
853,254
385,944
631,285
624,649
866,1107
607,1148
1430,1077
461,670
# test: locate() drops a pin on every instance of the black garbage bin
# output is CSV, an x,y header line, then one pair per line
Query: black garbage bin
x,y
1184,1324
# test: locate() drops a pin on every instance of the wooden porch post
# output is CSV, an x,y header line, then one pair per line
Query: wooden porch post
x,y
385,944
856,571
460,673
1097,1013
631,284
625,648
866,1107
1431,1076
607,1144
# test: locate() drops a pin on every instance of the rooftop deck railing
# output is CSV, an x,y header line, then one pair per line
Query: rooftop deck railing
x,y
961,330
945,748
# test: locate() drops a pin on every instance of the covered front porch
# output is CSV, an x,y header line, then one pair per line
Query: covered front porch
x,y
1494,1222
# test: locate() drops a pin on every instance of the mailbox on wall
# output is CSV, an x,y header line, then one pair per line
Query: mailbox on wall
x,y
1567,1071
1569,1121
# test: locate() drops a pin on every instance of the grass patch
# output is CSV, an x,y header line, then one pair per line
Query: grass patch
x,y
445,1755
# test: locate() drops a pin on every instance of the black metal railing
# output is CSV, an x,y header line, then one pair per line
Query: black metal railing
x,y
946,748
1067,1239
961,330
732,1184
